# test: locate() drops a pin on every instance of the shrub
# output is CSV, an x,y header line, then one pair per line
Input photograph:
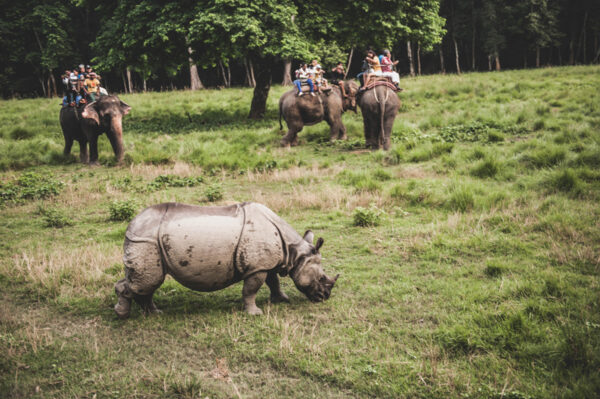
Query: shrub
x,y
122,210
54,217
214,192
20,133
164,181
28,186
364,217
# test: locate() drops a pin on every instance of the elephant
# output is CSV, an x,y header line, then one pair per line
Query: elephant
x,y
379,106
85,123
212,247
306,110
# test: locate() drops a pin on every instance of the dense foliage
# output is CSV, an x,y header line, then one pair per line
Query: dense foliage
x,y
151,44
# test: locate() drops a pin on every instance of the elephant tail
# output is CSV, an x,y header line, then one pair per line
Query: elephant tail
x,y
381,138
280,111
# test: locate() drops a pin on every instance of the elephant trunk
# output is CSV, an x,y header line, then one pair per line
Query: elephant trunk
x,y
115,135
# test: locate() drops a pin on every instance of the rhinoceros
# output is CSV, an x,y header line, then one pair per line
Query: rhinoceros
x,y
210,248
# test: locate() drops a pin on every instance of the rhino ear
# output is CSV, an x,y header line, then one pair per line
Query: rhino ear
x,y
320,242
89,112
309,236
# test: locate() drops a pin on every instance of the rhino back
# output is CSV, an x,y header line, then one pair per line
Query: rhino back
x,y
199,245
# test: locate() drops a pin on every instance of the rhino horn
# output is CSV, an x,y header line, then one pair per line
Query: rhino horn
x,y
309,236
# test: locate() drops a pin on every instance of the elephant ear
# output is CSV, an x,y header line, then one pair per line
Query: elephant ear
x,y
125,108
90,113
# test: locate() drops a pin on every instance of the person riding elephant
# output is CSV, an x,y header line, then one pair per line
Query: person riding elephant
x,y
379,107
86,123
305,111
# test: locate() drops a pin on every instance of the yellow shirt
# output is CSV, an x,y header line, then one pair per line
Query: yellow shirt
x,y
376,66
92,85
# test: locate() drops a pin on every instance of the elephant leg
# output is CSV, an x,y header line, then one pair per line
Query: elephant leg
x,y
370,128
68,146
116,146
291,138
251,286
342,132
94,150
276,294
83,151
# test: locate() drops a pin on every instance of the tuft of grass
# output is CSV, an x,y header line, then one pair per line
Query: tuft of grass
x,y
164,181
214,192
545,157
461,199
493,270
122,210
20,133
565,181
486,168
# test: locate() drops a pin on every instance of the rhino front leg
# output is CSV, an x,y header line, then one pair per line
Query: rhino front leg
x,y
276,294
146,303
124,295
251,286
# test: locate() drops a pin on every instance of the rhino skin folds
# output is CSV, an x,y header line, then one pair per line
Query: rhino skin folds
x,y
210,248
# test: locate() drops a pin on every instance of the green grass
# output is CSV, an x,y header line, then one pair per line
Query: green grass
x,y
469,252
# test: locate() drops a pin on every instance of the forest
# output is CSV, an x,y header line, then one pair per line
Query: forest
x,y
165,45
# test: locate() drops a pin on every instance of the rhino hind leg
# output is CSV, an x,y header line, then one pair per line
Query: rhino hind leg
x,y
251,286
276,294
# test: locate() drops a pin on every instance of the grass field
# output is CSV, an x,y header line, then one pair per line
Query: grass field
x,y
474,273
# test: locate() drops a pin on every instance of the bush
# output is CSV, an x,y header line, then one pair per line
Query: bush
x,y
214,192
122,210
54,217
29,186
164,181
364,217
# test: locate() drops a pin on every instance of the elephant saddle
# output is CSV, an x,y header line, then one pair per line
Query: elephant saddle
x,y
381,81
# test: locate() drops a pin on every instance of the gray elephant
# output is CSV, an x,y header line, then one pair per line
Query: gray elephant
x,y
86,123
306,110
210,248
379,106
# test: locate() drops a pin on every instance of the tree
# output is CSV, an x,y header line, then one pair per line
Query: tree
x,y
262,31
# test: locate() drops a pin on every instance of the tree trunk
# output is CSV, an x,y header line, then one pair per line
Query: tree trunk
x,y
195,82
571,52
585,38
145,86
287,73
473,42
129,83
261,91
497,57
525,59
225,80
349,63
54,91
41,79
410,58
442,60
252,78
489,62
419,58
581,36
456,55
124,82
537,56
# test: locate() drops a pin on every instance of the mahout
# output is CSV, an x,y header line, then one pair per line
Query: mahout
x,y
300,111
210,248
86,123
